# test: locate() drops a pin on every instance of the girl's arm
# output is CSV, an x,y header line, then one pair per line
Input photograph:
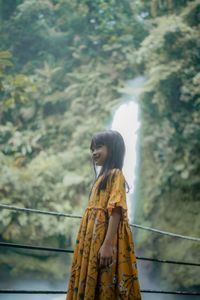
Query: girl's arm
x,y
106,250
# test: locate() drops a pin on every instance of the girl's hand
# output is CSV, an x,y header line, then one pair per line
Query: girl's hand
x,y
105,255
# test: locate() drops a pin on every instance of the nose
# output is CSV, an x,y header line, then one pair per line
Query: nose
x,y
94,153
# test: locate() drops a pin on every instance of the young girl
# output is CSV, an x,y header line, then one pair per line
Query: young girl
x,y
104,264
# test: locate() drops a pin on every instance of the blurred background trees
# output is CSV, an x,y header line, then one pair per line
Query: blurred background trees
x,y
62,64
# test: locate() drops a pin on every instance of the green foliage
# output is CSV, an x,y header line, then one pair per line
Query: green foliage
x,y
62,88
4,61
170,111
62,67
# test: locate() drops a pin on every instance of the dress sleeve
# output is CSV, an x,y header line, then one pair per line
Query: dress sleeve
x,y
117,193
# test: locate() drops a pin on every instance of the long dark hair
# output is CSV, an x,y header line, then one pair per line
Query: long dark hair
x,y
114,142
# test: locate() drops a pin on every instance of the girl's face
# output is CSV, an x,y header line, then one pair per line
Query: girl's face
x,y
99,154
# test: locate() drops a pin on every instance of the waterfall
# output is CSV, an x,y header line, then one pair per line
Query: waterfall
x,y
127,121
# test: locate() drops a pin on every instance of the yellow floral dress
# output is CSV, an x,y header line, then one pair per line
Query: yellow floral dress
x,y
120,279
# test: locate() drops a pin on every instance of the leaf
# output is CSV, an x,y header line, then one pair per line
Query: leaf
x,y
72,179
185,174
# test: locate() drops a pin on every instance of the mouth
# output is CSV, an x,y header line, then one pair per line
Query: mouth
x,y
96,158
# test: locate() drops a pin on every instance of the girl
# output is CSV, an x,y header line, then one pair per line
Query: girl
x,y
104,264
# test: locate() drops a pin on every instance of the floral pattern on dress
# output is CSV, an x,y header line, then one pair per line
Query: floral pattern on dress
x,y
120,280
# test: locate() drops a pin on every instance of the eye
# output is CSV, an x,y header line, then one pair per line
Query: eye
x,y
96,147
99,146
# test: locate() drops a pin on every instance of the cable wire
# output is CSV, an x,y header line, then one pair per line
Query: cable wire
x,y
3,244
31,210
23,246
10,291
